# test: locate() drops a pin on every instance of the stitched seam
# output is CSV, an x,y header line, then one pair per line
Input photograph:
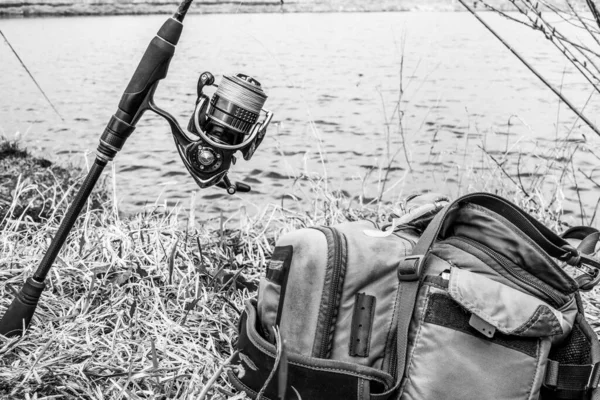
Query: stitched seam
x,y
414,345
474,309
501,326
539,312
526,238
371,308
239,382
435,285
537,368
530,322
359,389
328,276
299,364
389,336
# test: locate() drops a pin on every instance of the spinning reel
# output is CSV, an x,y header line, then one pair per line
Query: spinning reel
x,y
232,120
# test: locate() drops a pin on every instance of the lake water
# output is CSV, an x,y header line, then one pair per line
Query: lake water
x,y
333,81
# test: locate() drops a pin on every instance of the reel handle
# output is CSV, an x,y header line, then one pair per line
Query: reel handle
x,y
231,187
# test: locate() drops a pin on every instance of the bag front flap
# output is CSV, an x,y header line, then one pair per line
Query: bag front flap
x,y
508,310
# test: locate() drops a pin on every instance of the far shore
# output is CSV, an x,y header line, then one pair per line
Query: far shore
x,y
36,8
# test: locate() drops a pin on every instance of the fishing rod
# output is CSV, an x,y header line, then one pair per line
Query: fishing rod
x,y
232,120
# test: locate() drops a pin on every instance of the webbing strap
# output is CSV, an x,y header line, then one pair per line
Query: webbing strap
x,y
571,381
406,300
409,274
408,296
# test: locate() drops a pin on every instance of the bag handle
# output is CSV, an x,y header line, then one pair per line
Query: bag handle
x,y
550,242
589,238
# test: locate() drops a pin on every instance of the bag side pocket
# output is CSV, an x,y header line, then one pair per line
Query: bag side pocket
x,y
478,338
310,377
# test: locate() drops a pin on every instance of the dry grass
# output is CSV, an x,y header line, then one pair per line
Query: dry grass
x,y
146,307
137,307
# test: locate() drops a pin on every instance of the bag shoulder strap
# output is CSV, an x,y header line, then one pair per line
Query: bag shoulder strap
x,y
550,242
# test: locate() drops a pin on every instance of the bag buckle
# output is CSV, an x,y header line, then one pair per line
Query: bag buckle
x,y
594,377
591,273
409,268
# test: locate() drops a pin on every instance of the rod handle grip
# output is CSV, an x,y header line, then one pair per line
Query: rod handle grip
x,y
153,67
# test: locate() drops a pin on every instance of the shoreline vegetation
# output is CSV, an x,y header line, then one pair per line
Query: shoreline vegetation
x,y
146,305
35,8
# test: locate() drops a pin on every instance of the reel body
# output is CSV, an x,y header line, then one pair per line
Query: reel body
x,y
232,120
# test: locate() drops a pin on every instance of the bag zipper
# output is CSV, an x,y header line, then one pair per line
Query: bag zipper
x,y
517,275
337,275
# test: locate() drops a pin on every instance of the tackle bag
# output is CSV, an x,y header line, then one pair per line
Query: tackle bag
x,y
478,306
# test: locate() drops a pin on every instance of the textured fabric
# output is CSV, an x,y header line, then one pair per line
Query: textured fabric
x,y
575,350
503,282
371,269
444,311
508,310
306,275
362,325
313,378
497,232
335,272
273,287
456,364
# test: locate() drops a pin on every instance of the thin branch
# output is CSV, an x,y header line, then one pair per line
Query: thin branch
x,y
551,33
585,26
594,11
505,15
581,209
532,69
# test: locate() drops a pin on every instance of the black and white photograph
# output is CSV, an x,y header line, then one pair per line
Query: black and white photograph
x,y
300,199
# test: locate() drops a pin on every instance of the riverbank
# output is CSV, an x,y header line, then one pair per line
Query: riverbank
x,y
144,306
33,8
35,190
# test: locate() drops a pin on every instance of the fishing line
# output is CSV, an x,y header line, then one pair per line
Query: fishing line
x,y
240,92
30,75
